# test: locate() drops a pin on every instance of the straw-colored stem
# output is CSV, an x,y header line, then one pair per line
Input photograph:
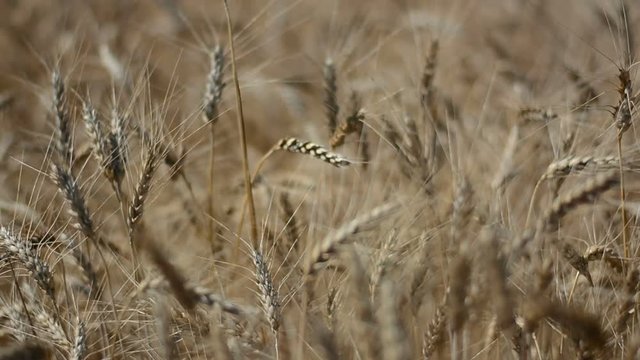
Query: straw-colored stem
x,y
623,210
210,204
533,199
243,135
261,162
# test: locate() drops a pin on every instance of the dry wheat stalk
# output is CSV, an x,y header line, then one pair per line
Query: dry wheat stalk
x,y
460,276
294,145
627,308
366,327
506,169
25,350
393,336
212,98
85,264
167,342
63,140
331,95
291,224
329,244
497,277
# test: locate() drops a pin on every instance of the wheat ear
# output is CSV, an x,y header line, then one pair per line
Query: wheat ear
x,y
331,95
329,244
63,139
212,98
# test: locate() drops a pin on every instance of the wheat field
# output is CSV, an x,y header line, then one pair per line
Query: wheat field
x,y
298,179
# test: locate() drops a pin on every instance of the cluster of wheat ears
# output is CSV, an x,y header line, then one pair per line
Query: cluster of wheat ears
x,y
318,180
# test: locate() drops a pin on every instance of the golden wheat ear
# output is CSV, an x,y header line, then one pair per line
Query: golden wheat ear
x,y
295,145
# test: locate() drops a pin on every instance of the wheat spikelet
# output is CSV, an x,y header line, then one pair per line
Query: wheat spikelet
x,y
52,327
215,85
207,297
606,254
570,164
460,276
38,269
117,146
79,350
136,208
17,320
294,145
366,328
63,140
68,186
330,243
624,110
429,73
537,115
435,335
291,224
331,95
268,292
580,325
576,261
586,193
97,135
497,277
352,124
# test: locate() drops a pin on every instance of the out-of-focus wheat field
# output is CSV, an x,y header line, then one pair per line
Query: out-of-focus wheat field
x,y
346,179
